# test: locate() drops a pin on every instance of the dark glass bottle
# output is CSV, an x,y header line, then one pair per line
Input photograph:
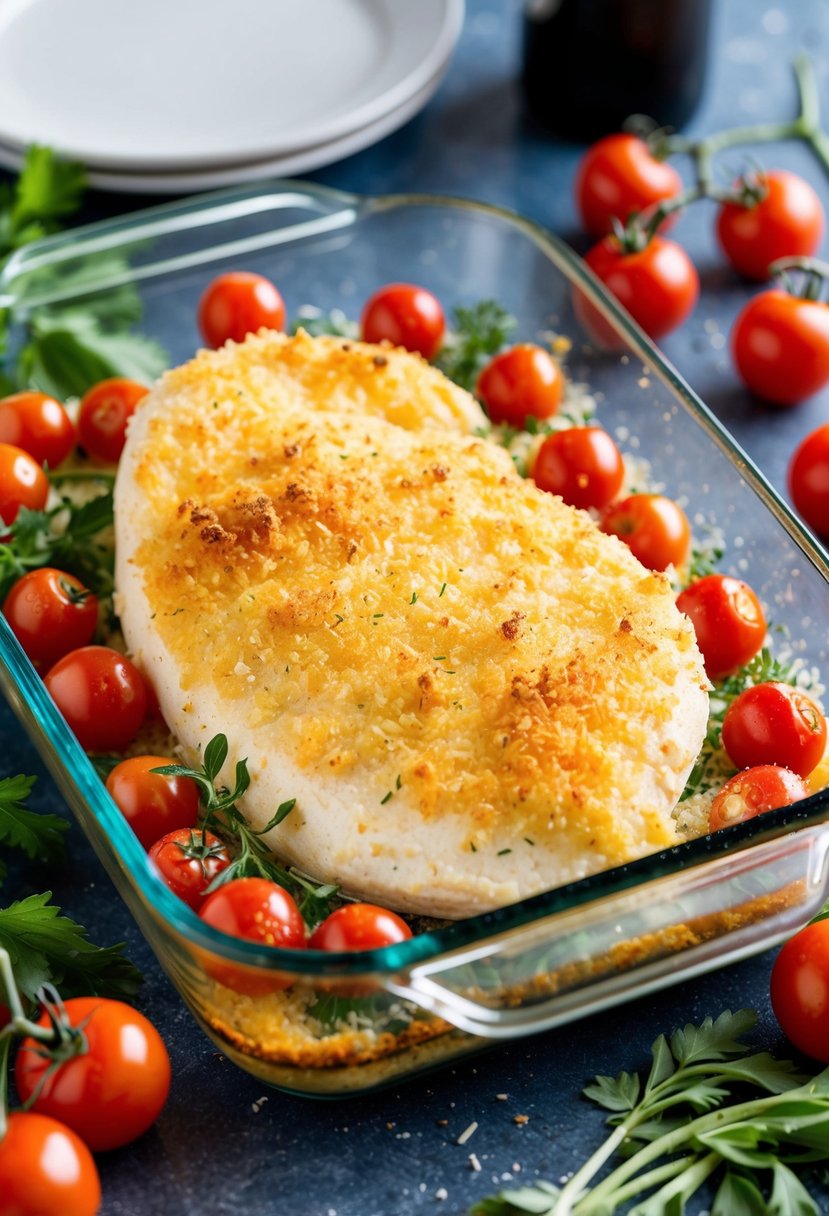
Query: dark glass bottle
x,y
589,64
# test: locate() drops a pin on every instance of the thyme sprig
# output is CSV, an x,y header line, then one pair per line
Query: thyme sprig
x,y
252,858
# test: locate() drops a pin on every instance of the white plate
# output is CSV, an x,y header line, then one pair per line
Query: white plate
x,y
283,166
177,85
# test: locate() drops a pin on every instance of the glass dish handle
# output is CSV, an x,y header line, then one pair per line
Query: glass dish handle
x,y
227,225
547,972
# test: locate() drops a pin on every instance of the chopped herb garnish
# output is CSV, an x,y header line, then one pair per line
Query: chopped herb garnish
x,y
386,797
503,852
413,600
443,588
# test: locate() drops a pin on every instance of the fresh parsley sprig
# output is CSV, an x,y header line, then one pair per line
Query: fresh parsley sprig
x,y
38,836
68,536
681,1126
46,947
476,334
252,857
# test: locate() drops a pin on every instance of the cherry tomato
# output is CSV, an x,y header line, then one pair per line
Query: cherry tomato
x,y
405,315
654,528
22,483
581,464
800,990
809,479
237,304
520,383
102,696
50,613
104,414
780,345
774,724
46,1170
727,619
262,912
787,222
658,285
753,792
188,861
617,176
359,927
112,1092
39,425
152,803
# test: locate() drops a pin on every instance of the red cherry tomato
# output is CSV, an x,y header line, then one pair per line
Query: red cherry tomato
x,y
112,1092
658,285
104,414
405,315
617,176
753,792
39,425
780,345
774,724
50,613
262,912
787,222
152,803
237,304
581,464
22,483
188,861
359,927
809,479
800,990
102,696
520,383
654,528
728,621
45,1169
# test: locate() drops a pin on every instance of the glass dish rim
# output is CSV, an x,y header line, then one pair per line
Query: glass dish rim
x,y
473,931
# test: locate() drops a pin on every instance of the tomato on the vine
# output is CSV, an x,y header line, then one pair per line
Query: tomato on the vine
x,y
46,1169
236,304
774,724
114,1090
102,696
188,860
787,221
800,990
50,613
259,911
657,284
103,415
728,621
766,787
153,803
582,465
654,528
809,479
780,345
405,315
359,927
522,382
22,483
39,425
619,175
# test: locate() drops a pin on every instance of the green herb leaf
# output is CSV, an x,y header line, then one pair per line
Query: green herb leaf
x,y
47,189
45,946
713,1040
476,335
739,1195
663,1064
39,836
67,359
539,1200
789,1196
614,1093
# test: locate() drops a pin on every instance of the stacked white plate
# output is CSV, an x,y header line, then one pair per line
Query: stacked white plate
x,y
167,96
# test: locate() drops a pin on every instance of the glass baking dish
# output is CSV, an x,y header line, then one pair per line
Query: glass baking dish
x,y
568,952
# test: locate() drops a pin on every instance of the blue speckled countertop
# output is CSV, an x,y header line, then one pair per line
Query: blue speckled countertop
x,y
224,1144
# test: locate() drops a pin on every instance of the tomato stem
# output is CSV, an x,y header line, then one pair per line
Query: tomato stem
x,y
815,273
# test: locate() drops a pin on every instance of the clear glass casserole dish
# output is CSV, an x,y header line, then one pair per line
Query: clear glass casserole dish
x,y
562,954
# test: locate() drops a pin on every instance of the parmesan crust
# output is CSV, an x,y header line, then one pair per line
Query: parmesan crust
x,y
473,693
